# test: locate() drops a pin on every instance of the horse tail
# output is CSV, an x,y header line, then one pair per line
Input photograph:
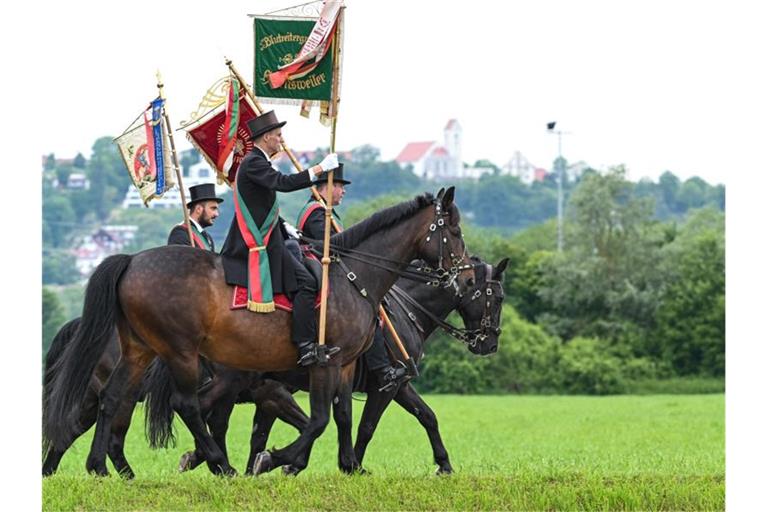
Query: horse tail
x,y
158,412
58,344
72,371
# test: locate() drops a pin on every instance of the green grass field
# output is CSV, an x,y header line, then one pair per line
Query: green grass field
x,y
661,452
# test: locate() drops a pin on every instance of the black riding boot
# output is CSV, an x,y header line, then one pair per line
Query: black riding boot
x,y
387,375
304,322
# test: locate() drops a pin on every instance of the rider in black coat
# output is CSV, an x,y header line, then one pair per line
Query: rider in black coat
x,y
311,222
203,209
257,182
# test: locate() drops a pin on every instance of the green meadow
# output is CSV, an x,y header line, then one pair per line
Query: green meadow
x,y
655,452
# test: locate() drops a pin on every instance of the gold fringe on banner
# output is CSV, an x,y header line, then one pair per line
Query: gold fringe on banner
x,y
266,307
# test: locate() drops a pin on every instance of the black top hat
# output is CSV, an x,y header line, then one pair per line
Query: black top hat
x,y
264,123
202,192
338,176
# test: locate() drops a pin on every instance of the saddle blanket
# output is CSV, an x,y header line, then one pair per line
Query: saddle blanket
x,y
240,300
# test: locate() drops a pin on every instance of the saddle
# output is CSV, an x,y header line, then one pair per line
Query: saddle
x,y
311,263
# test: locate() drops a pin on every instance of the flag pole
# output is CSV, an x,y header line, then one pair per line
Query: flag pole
x,y
175,162
259,110
326,260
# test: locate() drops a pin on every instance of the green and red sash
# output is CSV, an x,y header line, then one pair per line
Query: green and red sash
x,y
256,239
197,236
311,206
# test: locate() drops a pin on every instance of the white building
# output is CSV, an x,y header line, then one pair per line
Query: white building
x,y
104,242
434,161
518,165
198,173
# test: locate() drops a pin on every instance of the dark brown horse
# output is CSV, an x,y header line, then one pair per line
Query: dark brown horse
x,y
229,387
416,310
172,302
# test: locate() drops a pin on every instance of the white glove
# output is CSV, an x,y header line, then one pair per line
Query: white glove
x,y
330,162
291,230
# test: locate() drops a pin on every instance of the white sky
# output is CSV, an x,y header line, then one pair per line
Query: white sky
x,y
654,85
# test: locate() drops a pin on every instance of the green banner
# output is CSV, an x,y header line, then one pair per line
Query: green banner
x,y
277,42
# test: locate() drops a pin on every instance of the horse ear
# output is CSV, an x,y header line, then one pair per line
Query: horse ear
x,y
440,194
499,269
448,197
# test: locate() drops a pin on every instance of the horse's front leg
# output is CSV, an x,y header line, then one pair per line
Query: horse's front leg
x,y
323,384
218,423
410,400
375,405
342,415
186,403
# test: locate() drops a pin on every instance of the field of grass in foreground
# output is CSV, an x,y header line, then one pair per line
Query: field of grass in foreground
x,y
509,452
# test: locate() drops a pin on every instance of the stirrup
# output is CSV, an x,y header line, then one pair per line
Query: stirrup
x,y
316,354
394,376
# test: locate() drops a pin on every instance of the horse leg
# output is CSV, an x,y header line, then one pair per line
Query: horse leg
x,y
323,384
375,405
120,425
218,424
273,401
342,415
187,405
410,400
124,380
262,425
88,415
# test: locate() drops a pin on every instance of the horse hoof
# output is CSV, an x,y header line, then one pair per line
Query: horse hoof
x,y
98,471
127,474
262,464
444,470
291,470
185,462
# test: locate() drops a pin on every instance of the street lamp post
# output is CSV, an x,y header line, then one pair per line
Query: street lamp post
x,y
551,129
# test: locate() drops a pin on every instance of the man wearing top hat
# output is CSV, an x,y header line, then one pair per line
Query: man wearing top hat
x,y
256,185
203,209
311,222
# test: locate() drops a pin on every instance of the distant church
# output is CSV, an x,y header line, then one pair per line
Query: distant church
x,y
433,161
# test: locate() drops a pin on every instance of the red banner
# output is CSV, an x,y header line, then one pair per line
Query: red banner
x,y
208,136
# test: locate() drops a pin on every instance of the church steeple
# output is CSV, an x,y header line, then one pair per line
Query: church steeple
x,y
452,134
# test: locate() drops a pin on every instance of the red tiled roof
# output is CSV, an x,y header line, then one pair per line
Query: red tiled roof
x,y
413,151
450,124
441,151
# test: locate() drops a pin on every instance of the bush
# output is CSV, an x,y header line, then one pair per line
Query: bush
x,y
588,368
527,357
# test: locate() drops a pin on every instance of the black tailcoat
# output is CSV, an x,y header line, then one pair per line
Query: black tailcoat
x,y
314,226
257,183
180,236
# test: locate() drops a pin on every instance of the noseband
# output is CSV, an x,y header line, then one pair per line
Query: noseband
x,y
424,273
486,323
471,337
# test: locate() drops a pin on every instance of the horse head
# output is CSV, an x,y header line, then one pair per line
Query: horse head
x,y
444,244
480,308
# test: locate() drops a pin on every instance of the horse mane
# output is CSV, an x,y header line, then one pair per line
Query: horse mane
x,y
354,235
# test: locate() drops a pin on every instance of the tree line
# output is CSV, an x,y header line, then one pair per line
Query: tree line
x,y
637,294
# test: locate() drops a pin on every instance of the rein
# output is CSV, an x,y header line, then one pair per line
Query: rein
x,y
468,336
425,274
